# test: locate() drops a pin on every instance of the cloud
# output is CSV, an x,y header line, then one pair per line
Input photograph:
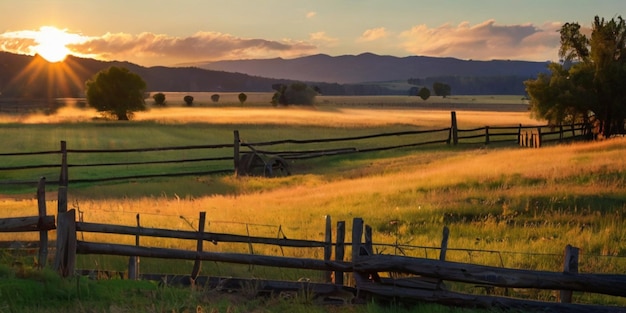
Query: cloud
x,y
484,41
311,14
322,37
156,49
373,34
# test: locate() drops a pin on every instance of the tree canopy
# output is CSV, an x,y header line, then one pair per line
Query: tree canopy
x,y
588,84
296,93
116,91
424,93
441,89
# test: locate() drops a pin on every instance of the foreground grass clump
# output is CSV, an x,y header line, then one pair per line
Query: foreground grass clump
x,y
29,290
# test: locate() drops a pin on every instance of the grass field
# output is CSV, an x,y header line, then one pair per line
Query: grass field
x,y
514,207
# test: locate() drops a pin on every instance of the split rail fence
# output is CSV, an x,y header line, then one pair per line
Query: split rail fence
x,y
423,279
225,158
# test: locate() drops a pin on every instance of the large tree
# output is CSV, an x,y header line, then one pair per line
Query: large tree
x,y
589,83
117,92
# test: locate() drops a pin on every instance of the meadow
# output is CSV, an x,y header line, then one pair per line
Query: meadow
x,y
505,206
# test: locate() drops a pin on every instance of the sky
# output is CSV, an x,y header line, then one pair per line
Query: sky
x,y
185,32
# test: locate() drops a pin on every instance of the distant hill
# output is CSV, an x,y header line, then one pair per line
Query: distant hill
x,y
24,76
30,77
368,67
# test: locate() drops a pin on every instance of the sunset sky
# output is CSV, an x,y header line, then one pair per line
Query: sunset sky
x,y
170,33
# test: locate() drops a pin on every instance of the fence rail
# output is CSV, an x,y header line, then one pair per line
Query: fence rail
x,y
423,283
224,158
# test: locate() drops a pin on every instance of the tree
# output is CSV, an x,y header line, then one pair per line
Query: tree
x,y
188,100
590,80
159,99
441,89
424,93
296,93
242,97
116,91
215,97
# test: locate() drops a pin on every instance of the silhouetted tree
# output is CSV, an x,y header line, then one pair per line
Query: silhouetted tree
x,y
441,89
594,83
159,99
296,93
116,91
188,100
424,93
242,97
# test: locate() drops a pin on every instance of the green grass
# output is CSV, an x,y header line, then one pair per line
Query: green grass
x,y
514,207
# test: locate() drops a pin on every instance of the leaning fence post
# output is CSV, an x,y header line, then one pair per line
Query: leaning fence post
x,y
570,265
340,249
43,234
328,240
444,244
199,246
236,152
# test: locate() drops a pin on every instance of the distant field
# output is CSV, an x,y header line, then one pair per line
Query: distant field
x,y
344,111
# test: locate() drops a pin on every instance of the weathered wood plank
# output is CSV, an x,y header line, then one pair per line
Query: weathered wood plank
x,y
27,224
488,302
495,276
126,250
192,235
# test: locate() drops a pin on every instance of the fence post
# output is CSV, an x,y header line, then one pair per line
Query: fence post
x,y
133,261
63,180
328,239
43,234
538,139
560,132
236,152
570,265
199,247
65,258
357,236
340,249
453,128
519,135
444,244
486,135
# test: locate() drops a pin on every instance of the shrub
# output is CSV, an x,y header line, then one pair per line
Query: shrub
x,y
242,97
188,100
215,97
159,99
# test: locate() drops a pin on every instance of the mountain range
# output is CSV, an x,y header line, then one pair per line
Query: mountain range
x,y
368,67
30,77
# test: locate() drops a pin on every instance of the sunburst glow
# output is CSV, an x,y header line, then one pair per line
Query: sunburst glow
x,y
52,43
49,42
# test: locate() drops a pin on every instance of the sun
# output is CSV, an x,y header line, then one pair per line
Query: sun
x,y
52,43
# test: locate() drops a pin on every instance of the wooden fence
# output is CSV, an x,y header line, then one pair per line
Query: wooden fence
x,y
422,279
225,158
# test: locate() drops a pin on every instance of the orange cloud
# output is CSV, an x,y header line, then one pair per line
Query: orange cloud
x,y
484,41
373,34
156,49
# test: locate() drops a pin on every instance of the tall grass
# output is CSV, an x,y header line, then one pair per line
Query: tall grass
x,y
504,206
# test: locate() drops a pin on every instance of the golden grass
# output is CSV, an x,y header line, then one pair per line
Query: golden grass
x,y
500,192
